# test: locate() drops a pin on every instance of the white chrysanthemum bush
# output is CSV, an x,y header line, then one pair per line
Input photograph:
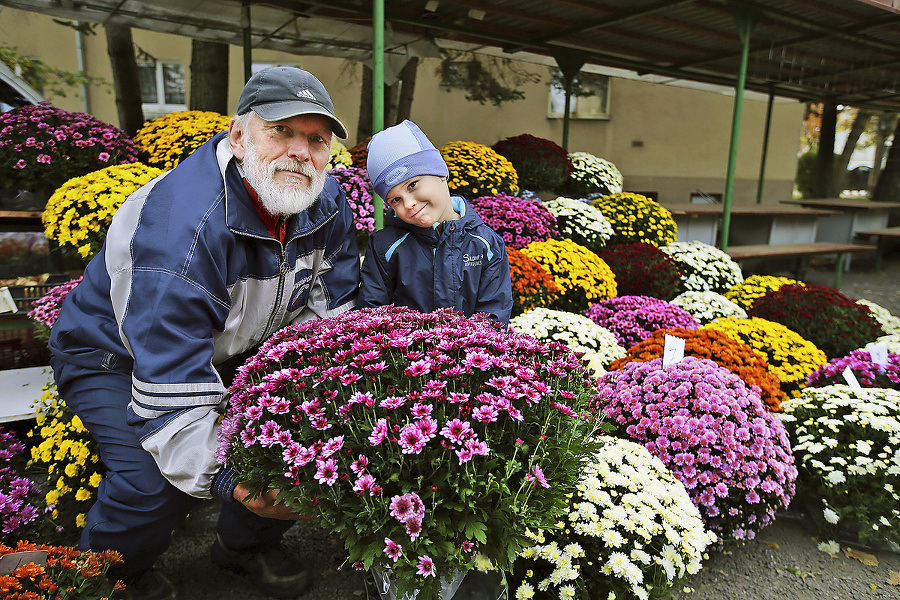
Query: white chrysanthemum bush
x,y
706,307
705,268
580,222
847,445
592,176
631,532
889,323
579,333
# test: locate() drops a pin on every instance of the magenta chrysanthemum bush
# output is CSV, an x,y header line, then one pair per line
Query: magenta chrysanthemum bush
x,y
519,221
634,318
20,497
868,373
417,437
715,434
358,189
45,310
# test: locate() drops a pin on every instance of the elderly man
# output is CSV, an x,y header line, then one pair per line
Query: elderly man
x,y
200,266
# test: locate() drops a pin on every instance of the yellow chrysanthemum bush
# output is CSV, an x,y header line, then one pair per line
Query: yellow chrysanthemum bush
x,y
477,170
78,214
340,156
746,293
581,276
66,463
636,219
791,357
168,140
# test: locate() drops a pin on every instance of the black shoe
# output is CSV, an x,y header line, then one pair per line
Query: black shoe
x,y
152,585
272,572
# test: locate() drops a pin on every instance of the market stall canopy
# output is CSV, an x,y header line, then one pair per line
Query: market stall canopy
x,y
847,51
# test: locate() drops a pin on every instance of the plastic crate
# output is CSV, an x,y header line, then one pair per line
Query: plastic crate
x,y
24,295
20,348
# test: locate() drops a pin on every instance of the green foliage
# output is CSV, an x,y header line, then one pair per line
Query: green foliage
x,y
49,81
485,78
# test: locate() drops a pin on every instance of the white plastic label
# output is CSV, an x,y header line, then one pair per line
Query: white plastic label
x,y
851,380
673,352
879,353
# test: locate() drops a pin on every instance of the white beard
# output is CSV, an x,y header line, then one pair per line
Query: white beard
x,y
287,198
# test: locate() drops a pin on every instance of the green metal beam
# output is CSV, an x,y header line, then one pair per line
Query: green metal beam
x,y
744,21
248,43
378,90
569,62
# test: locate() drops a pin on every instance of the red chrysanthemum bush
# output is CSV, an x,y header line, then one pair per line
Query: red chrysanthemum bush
x,y
359,153
643,270
737,357
835,323
532,284
541,164
731,453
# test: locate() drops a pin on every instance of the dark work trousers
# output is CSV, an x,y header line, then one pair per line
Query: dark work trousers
x,y
137,508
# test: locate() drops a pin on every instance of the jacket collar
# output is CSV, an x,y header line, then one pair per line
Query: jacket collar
x,y
468,219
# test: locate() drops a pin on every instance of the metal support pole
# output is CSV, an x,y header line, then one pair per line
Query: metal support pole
x,y
378,89
744,24
246,30
569,62
567,115
765,148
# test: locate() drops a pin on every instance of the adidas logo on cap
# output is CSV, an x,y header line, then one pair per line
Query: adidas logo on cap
x,y
305,94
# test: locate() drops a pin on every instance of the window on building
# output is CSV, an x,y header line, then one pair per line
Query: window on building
x,y
162,87
590,96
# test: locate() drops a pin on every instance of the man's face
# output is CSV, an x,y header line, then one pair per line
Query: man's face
x,y
283,160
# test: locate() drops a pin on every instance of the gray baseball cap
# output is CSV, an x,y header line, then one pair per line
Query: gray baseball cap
x,y
282,92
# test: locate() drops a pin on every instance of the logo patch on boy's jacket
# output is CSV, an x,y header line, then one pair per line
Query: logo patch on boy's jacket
x,y
300,291
472,260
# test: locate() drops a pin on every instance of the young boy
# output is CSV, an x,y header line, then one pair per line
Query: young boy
x,y
434,251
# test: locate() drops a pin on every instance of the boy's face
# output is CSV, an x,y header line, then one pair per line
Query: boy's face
x,y
422,201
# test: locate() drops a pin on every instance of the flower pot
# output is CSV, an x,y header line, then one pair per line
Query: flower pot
x,y
465,585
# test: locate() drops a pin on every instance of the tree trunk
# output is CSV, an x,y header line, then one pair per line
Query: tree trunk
x,y
839,174
889,180
126,82
883,128
825,156
391,94
364,124
209,76
408,89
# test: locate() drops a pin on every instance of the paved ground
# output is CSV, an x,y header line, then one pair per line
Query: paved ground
x,y
187,562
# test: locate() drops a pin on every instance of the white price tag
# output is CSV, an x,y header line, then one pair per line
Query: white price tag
x,y
851,380
673,352
7,303
879,353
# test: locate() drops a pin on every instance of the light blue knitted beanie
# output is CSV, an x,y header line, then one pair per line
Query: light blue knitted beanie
x,y
399,153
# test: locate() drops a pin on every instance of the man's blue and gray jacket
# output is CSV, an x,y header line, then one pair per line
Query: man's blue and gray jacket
x,y
465,267
187,280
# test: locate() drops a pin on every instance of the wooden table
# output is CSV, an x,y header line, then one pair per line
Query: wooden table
x,y
20,220
800,253
882,235
750,223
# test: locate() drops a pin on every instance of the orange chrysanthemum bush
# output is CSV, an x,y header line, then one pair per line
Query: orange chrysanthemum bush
x,y
836,324
636,219
582,276
477,170
532,284
359,153
745,293
791,357
67,574
643,270
739,358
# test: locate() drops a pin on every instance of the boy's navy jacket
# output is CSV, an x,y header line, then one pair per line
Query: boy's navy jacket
x,y
187,280
465,267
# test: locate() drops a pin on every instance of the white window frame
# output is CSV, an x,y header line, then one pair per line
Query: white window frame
x,y
588,109
160,108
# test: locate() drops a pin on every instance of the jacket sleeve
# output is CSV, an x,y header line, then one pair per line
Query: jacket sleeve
x,y
336,284
495,287
376,286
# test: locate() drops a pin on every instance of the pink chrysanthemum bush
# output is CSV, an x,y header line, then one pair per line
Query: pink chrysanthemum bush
x,y
867,372
422,439
359,191
45,310
21,501
519,221
713,431
634,318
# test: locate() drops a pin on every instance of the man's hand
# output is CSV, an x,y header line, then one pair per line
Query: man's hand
x,y
264,505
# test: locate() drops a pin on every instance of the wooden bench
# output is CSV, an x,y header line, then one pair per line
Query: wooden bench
x,y
883,236
801,252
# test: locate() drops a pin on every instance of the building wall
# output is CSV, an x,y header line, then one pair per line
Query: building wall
x,y
664,139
